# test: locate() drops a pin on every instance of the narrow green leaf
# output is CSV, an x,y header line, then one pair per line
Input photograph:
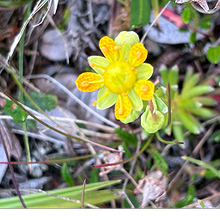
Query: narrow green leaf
x,y
202,204
188,199
94,175
204,112
140,13
128,138
190,80
162,107
164,75
173,75
189,121
159,161
178,133
41,200
197,90
215,136
203,164
65,173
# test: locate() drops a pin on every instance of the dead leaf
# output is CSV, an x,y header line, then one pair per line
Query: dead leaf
x,y
12,143
202,3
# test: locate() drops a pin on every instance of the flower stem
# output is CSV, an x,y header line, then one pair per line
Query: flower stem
x,y
166,142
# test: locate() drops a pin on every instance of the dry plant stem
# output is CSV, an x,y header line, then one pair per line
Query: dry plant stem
x,y
37,7
129,176
92,150
132,164
68,134
203,200
107,136
152,24
12,171
52,161
74,98
131,158
195,151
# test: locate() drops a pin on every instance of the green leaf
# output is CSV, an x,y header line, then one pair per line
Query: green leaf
x,y
203,164
186,15
65,173
178,133
94,175
162,107
14,111
40,200
164,75
189,197
159,161
197,90
44,101
173,75
192,37
128,138
189,121
213,54
203,112
215,137
140,13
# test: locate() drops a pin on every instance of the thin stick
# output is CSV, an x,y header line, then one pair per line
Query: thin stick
x,y
203,200
129,159
69,134
154,21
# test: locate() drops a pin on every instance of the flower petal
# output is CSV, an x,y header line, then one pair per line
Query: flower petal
x,y
131,117
144,71
137,55
129,37
108,100
135,99
126,39
123,107
109,48
98,63
145,89
89,82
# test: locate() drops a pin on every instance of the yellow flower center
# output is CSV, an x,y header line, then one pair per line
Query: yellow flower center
x,y
119,77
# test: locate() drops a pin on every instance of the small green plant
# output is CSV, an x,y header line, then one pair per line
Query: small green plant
x,y
186,103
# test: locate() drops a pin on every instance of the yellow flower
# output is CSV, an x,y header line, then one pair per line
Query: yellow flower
x,y
121,76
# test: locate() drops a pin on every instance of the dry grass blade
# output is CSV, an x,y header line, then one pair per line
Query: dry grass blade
x,y
37,7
